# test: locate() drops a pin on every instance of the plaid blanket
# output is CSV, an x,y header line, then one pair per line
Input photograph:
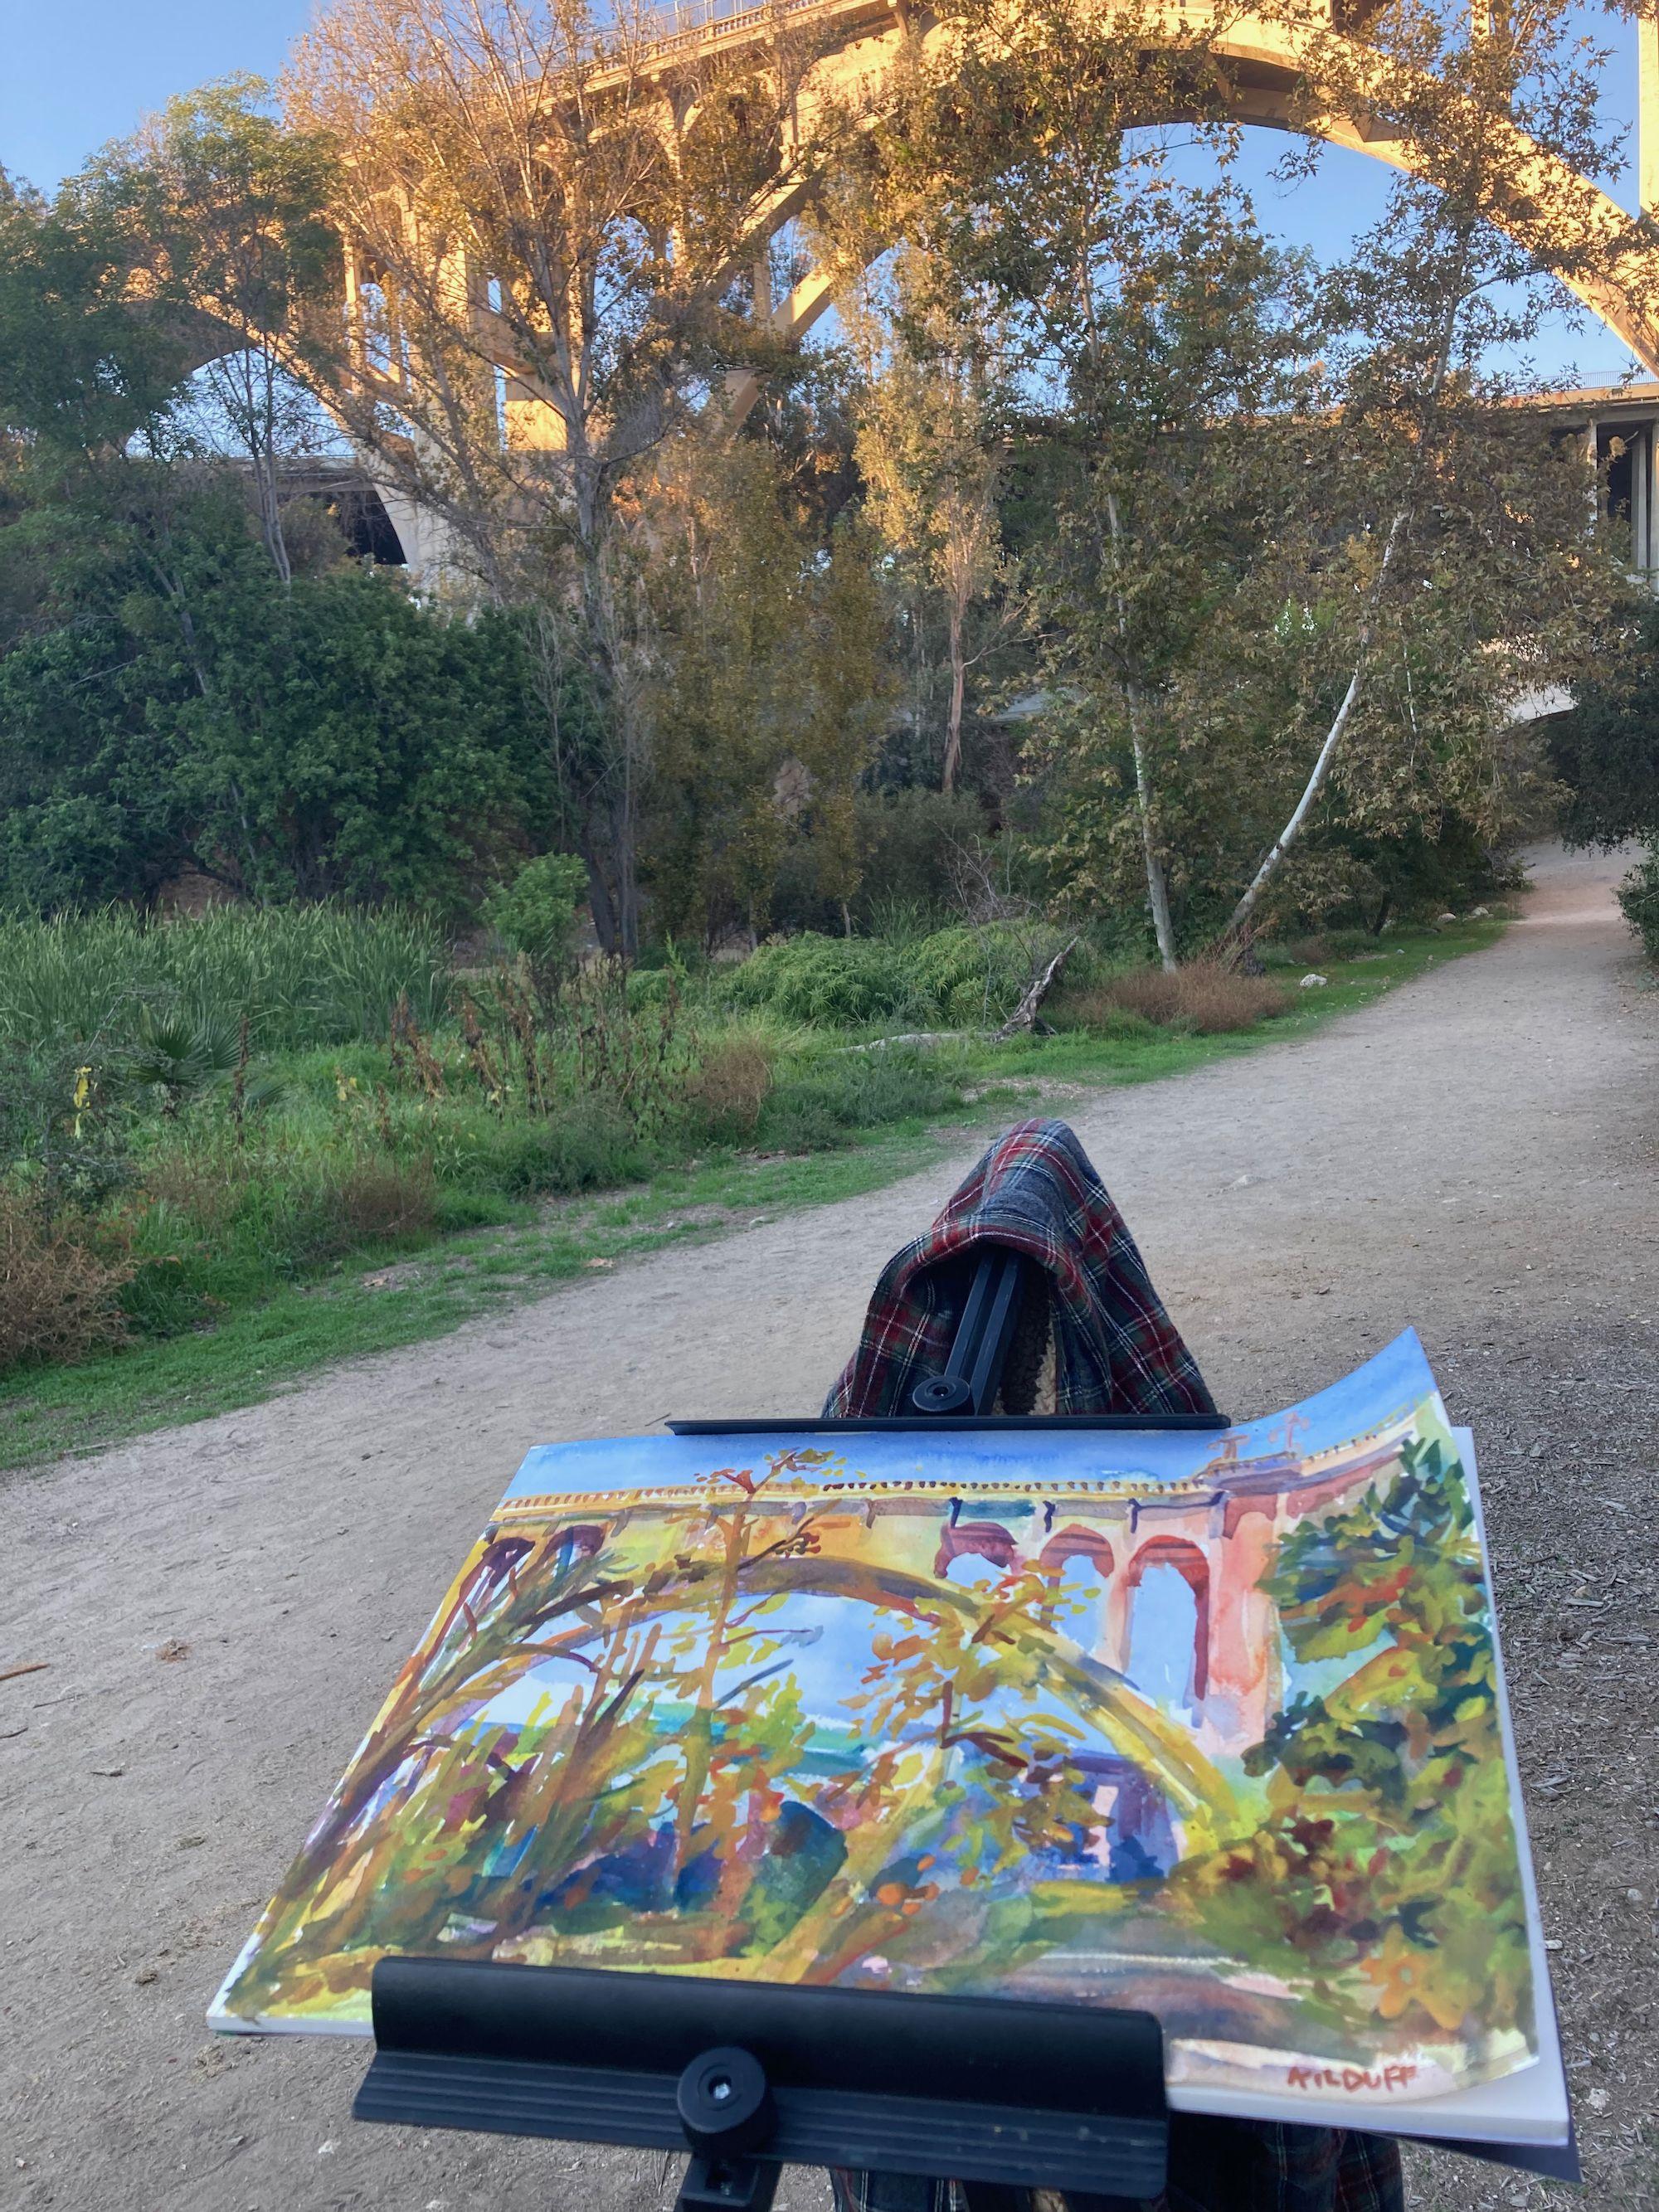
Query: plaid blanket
x,y
1114,1351
1114,1348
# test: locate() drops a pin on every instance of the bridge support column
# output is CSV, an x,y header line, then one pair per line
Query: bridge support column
x,y
1243,1641
1641,502
1115,1631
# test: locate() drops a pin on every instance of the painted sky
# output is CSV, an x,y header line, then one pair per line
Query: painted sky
x,y
79,76
1397,1378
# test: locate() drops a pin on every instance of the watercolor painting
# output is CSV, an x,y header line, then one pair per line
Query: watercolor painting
x,y
1205,1723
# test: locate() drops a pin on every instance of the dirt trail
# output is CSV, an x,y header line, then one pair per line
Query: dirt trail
x,y
220,1606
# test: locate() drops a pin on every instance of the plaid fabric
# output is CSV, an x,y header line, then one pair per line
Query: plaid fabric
x,y
1114,1348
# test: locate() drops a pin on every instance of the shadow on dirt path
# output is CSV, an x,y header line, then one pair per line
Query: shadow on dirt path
x,y
219,1608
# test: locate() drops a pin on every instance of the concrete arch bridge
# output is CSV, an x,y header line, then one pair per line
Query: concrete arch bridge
x,y
1273,63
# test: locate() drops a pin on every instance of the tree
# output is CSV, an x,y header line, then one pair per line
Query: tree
x,y
1337,639
767,689
544,237
1426,299
1017,163
1605,750
929,450
1182,485
223,207
168,703
82,365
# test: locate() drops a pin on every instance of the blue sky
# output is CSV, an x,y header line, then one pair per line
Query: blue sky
x,y
82,72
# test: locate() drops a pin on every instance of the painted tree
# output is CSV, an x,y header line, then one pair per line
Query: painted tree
x,y
1388,1860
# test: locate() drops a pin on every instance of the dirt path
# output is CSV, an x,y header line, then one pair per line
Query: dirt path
x,y
219,1607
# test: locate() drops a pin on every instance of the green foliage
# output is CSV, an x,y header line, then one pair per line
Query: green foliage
x,y
178,1056
536,912
768,699
911,843
835,983
1639,895
78,368
1605,750
301,976
973,978
962,977
819,1105
174,706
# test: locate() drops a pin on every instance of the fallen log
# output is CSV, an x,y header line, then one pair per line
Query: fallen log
x,y
1030,1006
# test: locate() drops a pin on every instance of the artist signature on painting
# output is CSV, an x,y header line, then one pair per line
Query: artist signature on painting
x,y
1350,2078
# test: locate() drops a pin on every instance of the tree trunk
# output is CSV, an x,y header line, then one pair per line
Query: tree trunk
x,y
1157,888
952,767
1240,917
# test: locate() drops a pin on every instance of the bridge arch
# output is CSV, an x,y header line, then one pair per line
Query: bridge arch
x,y
1273,85
1075,1543
975,1539
1190,1563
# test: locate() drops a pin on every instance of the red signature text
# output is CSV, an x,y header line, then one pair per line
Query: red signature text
x,y
1349,2077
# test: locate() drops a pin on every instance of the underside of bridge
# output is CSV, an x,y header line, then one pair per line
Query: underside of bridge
x,y
855,45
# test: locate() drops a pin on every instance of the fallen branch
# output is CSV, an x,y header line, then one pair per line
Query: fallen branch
x,y
922,1038
1030,1006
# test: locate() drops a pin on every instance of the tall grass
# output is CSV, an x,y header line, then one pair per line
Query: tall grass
x,y
303,975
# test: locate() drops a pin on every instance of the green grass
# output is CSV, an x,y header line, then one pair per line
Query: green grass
x,y
439,1281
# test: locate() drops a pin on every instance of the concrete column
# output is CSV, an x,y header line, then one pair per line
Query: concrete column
x,y
1641,500
1647,112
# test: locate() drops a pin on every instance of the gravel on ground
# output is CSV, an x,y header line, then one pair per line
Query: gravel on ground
x,y
211,1614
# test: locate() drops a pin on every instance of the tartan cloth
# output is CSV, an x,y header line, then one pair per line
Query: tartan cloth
x,y
1116,1351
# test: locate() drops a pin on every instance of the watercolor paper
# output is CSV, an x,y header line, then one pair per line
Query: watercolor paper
x,y
1209,1725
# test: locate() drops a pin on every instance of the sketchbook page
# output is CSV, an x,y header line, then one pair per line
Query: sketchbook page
x,y
1157,1719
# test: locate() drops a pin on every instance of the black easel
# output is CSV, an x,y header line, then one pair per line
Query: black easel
x,y
748,2076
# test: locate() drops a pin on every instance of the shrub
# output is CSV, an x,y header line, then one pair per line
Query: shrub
x,y
972,978
1205,997
373,1201
536,913
585,1145
729,1085
649,986
907,841
1639,895
834,981
58,1298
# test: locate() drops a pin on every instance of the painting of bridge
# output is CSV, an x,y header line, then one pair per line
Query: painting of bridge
x,y
1181,1720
